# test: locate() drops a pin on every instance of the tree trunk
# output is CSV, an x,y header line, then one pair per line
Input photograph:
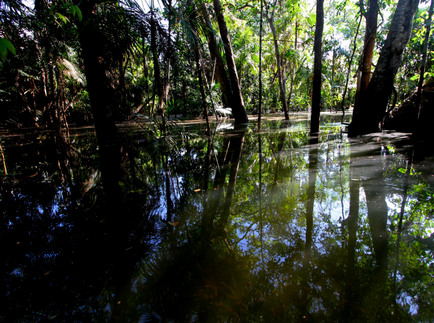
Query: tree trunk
x,y
157,72
291,88
373,104
202,91
101,99
349,69
280,76
368,50
317,68
423,64
238,109
260,68
332,80
221,77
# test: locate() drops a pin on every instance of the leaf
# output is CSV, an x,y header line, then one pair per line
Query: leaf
x,y
197,190
3,52
175,223
78,13
72,10
255,58
10,46
6,45
64,19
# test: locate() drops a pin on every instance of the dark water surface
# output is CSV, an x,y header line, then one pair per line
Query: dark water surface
x,y
239,227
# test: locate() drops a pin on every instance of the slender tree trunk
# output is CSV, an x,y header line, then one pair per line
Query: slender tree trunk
x,y
368,50
238,109
332,80
373,104
291,87
260,68
280,76
157,72
316,87
202,91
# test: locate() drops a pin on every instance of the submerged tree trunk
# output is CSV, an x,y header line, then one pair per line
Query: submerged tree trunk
x,y
374,102
280,75
316,87
238,109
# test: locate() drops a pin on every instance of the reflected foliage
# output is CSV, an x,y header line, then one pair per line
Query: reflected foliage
x,y
332,231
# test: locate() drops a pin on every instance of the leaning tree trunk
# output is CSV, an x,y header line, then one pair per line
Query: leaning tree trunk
x,y
222,78
280,76
238,109
374,102
317,67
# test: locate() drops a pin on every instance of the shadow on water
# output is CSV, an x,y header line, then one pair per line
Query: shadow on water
x,y
237,227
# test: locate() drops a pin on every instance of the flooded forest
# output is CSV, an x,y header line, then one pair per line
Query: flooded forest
x,y
216,161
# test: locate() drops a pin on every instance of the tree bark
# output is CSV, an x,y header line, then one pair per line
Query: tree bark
x,y
316,87
238,109
368,50
374,102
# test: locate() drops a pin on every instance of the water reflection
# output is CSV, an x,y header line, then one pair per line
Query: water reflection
x,y
238,227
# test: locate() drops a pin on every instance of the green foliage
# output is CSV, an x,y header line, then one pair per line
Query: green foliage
x,y
6,47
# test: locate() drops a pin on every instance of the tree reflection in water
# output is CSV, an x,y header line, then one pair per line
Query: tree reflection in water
x,y
234,228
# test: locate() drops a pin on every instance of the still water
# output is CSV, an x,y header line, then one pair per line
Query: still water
x,y
237,227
